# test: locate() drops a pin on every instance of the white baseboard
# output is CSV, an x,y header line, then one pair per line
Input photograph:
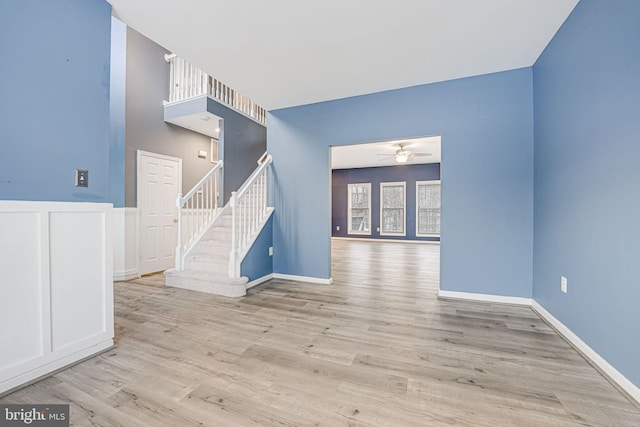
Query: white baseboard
x,y
125,244
627,386
259,281
360,239
307,279
55,366
123,276
484,297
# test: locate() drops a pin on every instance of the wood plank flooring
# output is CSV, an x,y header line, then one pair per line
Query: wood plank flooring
x,y
374,349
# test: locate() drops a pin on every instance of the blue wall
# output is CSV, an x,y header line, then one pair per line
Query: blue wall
x,y
587,172
118,77
486,125
341,178
54,102
258,263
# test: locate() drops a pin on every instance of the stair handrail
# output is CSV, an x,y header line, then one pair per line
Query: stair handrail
x,y
202,206
248,212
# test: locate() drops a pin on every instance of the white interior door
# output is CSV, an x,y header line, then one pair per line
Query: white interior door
x,y
159,181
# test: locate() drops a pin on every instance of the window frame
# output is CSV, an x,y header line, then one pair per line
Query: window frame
x,y
404,208
418,183
349,210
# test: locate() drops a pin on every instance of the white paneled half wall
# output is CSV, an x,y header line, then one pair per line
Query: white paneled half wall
x,y
56,286
125,244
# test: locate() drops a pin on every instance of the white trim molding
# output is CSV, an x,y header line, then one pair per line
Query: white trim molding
x,y
583,348
580,346
259,281
367,239
307,279
484,298
125,244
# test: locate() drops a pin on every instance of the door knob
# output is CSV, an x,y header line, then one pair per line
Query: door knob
x,y
175,220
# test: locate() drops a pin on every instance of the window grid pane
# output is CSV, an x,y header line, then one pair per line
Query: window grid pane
x,y
428,205
392,220
359,208
393,209
360,220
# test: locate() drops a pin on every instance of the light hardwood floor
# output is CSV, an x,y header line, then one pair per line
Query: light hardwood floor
x,y
376,348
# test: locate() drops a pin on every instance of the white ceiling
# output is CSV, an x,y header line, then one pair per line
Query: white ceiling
x,y
382,153
205,123
284,53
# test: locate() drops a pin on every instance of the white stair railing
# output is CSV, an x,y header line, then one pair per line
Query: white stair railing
x,y
197,210
188,81
248,213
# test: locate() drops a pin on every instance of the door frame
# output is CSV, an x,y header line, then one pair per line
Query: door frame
x,y
139,155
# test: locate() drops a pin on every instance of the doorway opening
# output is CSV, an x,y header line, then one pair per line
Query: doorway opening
x,y
385,212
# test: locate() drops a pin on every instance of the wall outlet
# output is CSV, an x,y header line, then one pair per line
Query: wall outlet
x,y
337,228
270,250
563,284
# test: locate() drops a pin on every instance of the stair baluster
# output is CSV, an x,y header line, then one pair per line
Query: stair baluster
x,y
248,212
200,213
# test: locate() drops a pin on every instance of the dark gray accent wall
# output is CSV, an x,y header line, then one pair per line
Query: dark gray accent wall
x,y
242,143
409,174
147,86
242,140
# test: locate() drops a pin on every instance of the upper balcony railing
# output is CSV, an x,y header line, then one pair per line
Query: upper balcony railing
x,y
188,81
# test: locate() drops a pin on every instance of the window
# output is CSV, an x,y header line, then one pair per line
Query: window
x,y
359,215
428,208
392,208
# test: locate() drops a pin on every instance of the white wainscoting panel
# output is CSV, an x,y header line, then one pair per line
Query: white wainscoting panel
x,y
21,289
77,253
56,286
125,244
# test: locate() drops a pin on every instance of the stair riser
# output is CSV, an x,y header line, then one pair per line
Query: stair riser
x,y
219,240
227,290
211,250
208,266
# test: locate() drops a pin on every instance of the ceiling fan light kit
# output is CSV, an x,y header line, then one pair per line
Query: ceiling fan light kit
x,y
402,156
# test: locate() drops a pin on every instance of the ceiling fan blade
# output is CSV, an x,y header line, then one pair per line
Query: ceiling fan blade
x,y
421,154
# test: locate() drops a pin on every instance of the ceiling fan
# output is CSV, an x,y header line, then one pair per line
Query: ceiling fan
x,y
402,155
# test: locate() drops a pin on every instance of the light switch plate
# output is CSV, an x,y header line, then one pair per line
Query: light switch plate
x,y
82,178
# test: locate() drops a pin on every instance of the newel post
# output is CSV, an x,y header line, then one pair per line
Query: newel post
x,y
234,252
179,265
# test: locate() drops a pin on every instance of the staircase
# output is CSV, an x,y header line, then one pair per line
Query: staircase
x,y
214,241
206,268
